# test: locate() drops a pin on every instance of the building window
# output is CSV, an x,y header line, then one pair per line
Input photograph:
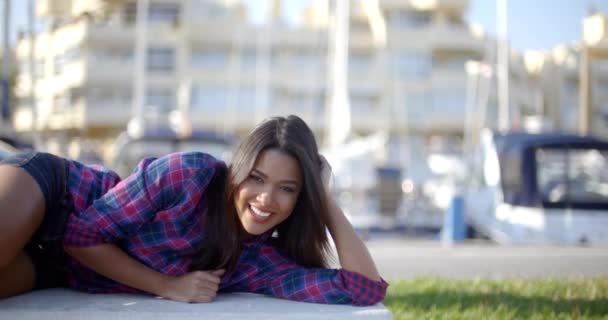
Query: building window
x,y
164,12
58,64
416,105
246,98
61,103
24,68
360,62
208,9
363,101
157,12
161,59
117,55
159,100
305,60
449,101
452,63
248,59
406,19
209,97
61,60
412,65
103,97
209,59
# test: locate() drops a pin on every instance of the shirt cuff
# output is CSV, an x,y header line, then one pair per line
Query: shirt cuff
x,y
364,291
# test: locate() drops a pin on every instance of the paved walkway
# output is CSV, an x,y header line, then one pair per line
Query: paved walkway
x,y
402,258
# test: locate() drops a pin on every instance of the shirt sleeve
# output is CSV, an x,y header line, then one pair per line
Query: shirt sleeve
x,y
280,277
120,212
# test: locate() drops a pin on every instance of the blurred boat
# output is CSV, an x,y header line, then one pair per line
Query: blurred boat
x,y
540,188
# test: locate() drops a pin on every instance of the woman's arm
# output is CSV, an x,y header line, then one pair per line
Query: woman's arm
x,y
267,271
120,213
113,263
352,252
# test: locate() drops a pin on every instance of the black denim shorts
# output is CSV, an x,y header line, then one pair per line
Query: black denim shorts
x,y
46,246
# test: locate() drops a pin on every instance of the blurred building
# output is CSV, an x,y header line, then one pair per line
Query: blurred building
x,y
574,81
406,70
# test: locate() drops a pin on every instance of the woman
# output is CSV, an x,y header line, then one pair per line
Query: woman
x,y
183,226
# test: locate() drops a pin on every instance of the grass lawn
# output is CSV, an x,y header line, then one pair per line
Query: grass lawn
x,y
436,298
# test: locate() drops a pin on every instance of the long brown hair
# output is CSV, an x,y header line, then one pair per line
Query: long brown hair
x,y
302,236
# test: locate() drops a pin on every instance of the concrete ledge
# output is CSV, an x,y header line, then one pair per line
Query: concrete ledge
x,y
65,304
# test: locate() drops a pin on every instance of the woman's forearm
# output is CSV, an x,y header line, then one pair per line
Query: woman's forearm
x,y
352,252
111,262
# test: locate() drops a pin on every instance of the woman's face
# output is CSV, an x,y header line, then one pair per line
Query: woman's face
x,y
268,196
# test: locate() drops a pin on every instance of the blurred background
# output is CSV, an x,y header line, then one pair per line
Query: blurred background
x,y
480,115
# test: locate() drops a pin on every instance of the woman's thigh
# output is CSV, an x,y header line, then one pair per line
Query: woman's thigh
x,y
17,277
22,206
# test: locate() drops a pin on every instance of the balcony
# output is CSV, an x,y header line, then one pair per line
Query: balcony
x,y
460,5
112,33
49,8
448,77
111,72
117,32
215,31
454,37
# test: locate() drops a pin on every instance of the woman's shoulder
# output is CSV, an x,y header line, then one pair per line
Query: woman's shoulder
x,y
190,162
195,159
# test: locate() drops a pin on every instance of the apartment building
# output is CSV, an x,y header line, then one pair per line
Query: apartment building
x,y
573,81
207,63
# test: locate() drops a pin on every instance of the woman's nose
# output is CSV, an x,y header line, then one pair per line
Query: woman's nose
x,y
266,196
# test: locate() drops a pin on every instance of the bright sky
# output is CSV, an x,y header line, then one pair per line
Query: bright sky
x,y
533,24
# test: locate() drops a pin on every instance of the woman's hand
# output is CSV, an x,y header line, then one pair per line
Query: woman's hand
x,y
193,287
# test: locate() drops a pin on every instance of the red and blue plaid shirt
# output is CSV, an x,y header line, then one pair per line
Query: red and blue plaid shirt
x,y
155,216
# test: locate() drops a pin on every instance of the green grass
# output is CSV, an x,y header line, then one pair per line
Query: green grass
x,y
436,298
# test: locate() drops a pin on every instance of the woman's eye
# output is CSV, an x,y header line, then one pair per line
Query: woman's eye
x,y
289,189
255,178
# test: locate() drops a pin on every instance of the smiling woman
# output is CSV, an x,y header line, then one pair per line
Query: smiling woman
x,y
185,226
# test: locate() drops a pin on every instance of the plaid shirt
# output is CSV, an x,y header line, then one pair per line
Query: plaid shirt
x,y
155,216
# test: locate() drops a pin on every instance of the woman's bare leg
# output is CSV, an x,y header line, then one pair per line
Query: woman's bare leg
x,y
18,277
21,213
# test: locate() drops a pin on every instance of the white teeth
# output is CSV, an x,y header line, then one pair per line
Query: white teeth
x,y
260,213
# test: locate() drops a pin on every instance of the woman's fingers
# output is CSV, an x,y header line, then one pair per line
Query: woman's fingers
x,y
207,285
208,276
219,272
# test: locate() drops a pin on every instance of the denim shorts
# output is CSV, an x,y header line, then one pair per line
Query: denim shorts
x,y
46,246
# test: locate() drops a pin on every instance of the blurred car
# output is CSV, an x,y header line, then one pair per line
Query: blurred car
x,y
6,150
128,150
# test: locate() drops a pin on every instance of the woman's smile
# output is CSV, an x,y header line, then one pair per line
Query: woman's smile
x,y
259,215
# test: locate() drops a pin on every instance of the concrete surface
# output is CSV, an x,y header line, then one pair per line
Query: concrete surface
x,y
64,304
407,258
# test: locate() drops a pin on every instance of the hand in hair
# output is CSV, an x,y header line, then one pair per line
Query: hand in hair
x,y
326,173
193,287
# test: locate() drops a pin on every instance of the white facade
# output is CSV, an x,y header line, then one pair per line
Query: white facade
x,y
205,58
